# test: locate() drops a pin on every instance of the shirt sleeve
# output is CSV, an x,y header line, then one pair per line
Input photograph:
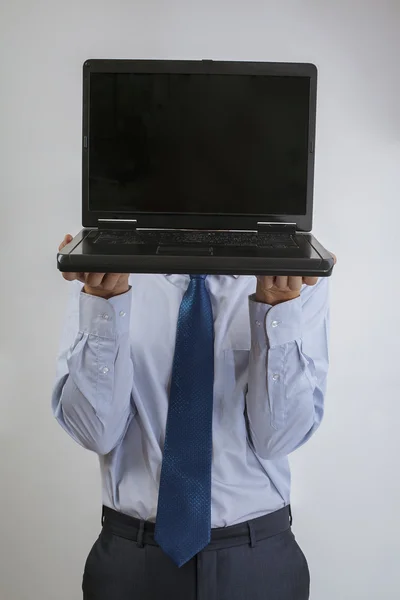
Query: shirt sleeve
x,y
92,394
288,370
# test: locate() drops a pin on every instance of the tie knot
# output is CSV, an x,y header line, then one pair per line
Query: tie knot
x,y
198,277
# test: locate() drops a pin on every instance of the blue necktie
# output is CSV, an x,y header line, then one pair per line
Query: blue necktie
x,y
183,524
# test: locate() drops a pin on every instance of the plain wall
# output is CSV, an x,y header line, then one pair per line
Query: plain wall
x,y
345,480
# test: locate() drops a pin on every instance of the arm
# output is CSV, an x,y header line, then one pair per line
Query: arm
x,y
288,370
92,395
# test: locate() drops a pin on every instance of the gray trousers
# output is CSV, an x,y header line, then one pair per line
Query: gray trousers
x,y
257,560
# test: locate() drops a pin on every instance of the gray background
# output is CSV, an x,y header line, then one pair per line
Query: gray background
x,y
346,494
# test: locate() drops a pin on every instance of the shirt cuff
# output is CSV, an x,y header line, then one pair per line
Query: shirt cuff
x,y
275,325
105,318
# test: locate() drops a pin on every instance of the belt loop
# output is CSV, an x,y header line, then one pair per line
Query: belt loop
x,y
290,516
140,535
102,515
251,534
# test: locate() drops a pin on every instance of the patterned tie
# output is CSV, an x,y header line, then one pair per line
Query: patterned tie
x,y
183,524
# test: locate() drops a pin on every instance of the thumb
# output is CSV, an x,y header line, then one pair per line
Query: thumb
x,y
67,239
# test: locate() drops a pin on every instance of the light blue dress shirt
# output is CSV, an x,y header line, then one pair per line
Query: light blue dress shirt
x,y
271,365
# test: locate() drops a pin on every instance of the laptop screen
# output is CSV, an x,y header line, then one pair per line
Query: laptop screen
x,y
197,143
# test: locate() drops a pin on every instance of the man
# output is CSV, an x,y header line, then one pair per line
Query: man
x,y
193,391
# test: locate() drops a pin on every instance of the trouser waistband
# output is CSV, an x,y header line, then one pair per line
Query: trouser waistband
x,y
249,532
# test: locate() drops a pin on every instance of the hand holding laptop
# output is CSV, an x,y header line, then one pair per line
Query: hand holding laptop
x,y
104,285
274,290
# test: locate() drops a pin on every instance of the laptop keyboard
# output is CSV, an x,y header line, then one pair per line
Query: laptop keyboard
x,y
209,238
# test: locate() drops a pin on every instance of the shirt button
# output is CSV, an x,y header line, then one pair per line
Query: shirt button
x,y
104,370
275,323
122,313
258,323
276,376
105,316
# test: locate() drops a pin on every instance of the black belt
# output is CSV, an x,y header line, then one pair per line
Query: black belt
x,y
249,532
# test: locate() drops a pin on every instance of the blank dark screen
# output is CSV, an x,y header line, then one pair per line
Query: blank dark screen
x,y
226,144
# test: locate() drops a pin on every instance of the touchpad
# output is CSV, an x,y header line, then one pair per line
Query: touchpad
x,y
187,249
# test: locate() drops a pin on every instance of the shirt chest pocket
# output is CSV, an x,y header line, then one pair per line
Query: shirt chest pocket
x,y
236,368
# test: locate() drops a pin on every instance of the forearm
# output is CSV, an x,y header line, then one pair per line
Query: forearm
x,y
287,373
92,396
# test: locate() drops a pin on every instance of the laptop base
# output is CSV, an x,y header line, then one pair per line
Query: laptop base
x,y
307,258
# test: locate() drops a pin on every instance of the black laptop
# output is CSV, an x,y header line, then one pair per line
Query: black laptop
x,y
197,167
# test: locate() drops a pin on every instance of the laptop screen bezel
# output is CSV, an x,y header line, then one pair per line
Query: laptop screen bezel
x,y
90,218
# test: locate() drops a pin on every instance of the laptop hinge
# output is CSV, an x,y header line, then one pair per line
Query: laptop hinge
x,y
265,227
130,224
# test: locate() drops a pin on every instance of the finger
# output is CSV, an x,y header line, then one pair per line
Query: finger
x,y
93,279
334,258
266,281
70,276
295,283
67,239
110,280
281,282
310,280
